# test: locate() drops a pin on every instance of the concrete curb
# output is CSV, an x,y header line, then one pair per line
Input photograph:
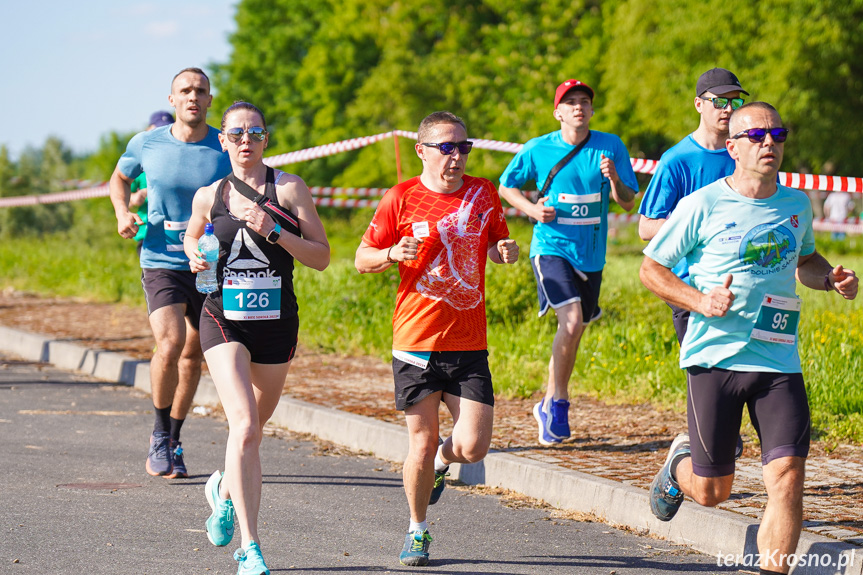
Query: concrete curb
x,y
728,536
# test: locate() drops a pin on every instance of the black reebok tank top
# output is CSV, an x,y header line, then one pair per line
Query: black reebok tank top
x,y
245,253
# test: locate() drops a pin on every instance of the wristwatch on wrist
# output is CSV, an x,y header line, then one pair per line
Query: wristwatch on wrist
x,y
273,236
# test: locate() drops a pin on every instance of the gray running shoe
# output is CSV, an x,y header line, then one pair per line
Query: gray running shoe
x,y
665,493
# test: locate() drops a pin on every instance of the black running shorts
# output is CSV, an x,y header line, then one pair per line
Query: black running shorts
x,y
777,405
269,341
460,373
168,287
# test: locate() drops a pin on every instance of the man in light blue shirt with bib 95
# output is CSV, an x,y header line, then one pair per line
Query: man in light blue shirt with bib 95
x,y
747,242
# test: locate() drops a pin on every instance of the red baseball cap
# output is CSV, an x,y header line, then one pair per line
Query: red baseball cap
x,y
571,85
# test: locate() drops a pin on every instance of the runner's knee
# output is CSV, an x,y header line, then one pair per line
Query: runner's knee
x,y
246,434
710,491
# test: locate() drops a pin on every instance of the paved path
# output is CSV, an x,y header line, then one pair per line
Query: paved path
x,y
77,500
618,467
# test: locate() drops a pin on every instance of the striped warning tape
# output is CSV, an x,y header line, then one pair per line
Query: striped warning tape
x,y
354,198
640,165
95,192
349,192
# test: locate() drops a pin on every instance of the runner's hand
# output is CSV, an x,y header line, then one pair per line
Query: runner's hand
x,y
542,213
198,264
608,169
258,220
508,250
844,281
127,225
717,301
407,249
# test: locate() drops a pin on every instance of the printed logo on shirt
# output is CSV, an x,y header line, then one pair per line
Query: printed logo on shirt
x,y
769,248
454,275
795,222
245,254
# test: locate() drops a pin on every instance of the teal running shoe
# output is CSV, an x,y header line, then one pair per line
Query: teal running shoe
x,y
439,485
251,561
220,524
415,553
665,494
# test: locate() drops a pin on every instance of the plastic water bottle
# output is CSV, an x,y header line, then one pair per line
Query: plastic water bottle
x,y
208,245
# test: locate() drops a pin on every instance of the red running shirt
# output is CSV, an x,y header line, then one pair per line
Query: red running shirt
x,y
440,304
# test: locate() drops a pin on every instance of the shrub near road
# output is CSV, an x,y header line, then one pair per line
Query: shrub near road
x,y
630,355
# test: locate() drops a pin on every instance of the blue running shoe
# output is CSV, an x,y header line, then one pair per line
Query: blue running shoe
x,y
543,418
179,466
558,425
159,458
415,553
439,484
251,561
220,524
665,494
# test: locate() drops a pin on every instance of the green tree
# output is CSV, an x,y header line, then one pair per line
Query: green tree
x,y
99,165
37,172
325,71
799,55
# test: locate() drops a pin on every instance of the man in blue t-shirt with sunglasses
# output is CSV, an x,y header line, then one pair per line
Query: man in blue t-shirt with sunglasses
x,y
697,160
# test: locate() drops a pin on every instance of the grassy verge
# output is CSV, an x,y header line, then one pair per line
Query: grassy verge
x,y
629,356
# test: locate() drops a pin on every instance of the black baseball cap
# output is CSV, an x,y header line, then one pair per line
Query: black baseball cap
x,y
718,81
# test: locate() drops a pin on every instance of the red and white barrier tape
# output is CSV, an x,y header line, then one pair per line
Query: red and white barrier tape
x,y
95,192
350,192
792,180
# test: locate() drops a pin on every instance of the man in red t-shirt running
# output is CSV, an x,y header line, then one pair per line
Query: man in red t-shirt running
x,y
439,227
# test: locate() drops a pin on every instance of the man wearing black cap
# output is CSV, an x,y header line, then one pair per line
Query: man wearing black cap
x,y
697,160
569,239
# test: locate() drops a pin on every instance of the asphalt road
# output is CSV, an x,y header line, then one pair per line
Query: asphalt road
x,y
76,500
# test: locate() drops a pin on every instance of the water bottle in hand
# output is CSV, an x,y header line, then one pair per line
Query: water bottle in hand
x,y
208,245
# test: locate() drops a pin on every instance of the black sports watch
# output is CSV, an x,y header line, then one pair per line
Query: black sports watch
x,y
273,236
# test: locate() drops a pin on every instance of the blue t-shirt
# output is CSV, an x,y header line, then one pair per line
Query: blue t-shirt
x,y
579,193
175,170
682,169
758,241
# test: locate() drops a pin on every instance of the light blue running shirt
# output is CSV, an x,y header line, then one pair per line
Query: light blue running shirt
x,y
579,193
758,241
175,170
682,169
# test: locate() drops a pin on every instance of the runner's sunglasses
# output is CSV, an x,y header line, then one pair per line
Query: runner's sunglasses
x,y
447,148
722,103
757,135
255,133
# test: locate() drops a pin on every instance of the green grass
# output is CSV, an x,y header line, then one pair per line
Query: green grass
x,y
630,356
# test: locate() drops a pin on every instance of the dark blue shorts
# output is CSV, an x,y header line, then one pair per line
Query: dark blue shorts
x,y
460,373
559,284
777,405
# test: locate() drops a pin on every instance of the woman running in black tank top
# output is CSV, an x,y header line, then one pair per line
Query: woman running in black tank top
x,y
255,304
263,219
